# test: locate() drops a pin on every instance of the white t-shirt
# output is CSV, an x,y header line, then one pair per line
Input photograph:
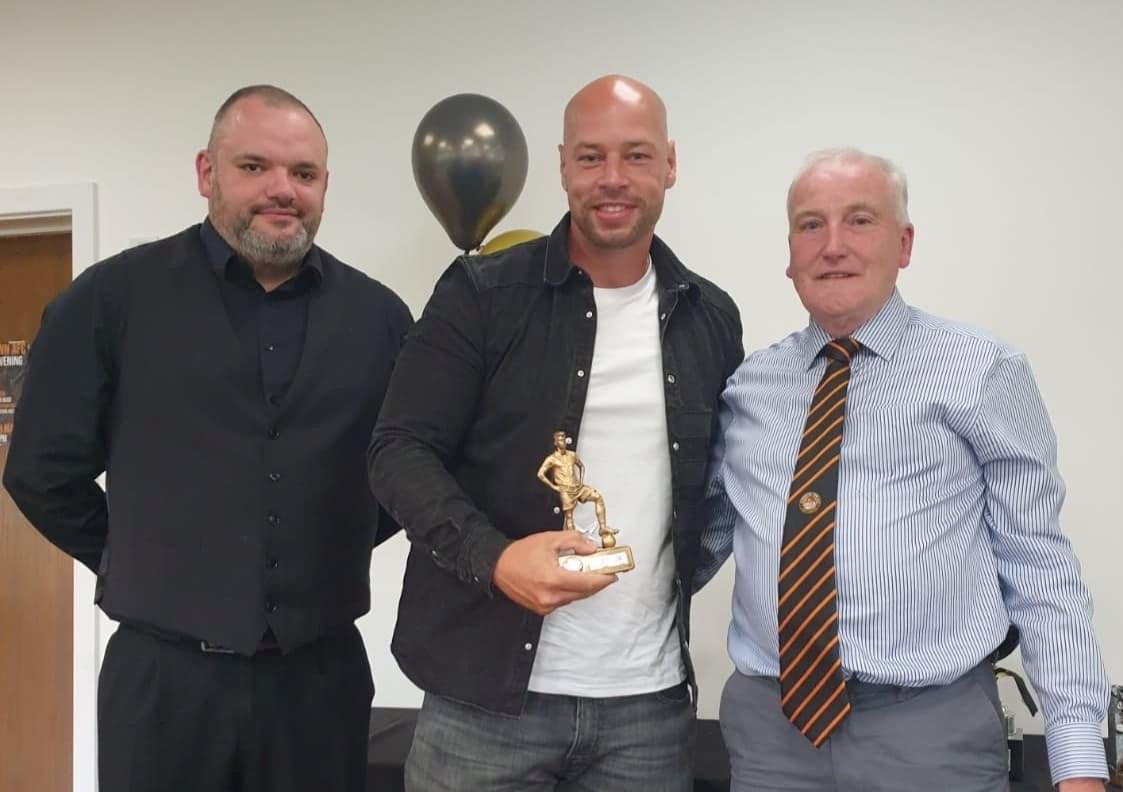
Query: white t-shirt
x,y
622,640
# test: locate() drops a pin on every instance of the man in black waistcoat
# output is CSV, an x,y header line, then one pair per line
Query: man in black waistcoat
x,y
227,380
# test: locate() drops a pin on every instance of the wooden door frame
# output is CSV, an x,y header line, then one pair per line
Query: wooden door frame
x,y
59,206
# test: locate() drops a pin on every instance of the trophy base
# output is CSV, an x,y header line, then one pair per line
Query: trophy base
x,y
604,562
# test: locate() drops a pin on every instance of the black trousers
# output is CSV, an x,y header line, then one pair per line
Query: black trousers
x,y
173,718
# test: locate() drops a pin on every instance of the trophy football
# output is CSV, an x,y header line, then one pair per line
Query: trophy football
x,y
564,473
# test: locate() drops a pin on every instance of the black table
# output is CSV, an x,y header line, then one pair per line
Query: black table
x,y
391,731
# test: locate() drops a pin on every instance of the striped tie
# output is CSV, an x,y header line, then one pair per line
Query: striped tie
x,y
812,690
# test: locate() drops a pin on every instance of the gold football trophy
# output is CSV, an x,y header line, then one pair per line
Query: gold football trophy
x,y
564,473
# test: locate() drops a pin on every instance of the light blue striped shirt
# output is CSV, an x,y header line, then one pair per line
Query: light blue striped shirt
x,y
947,519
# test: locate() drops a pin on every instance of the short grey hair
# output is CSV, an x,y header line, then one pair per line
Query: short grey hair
x,y
898,184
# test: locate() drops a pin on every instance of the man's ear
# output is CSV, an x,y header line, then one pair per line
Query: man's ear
x,y
204,172
908,233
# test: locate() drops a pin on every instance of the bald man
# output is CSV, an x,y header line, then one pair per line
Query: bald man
x,y
536,677
227,378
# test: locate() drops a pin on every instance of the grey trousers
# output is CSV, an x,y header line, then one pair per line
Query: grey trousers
x,y
940,739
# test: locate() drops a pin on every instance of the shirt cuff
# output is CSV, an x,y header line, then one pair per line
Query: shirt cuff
x,y
1076,750
487,546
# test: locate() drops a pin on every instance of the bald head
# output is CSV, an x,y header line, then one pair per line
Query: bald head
x,y
614,91
616,164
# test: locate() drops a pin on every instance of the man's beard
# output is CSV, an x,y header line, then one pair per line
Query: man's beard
x,y
269,256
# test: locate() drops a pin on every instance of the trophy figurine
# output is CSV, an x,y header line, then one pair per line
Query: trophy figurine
x,y
564,473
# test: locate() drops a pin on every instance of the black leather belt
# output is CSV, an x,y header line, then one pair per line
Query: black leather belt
x,y
267,645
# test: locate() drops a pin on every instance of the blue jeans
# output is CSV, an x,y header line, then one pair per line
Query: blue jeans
x,y
564,743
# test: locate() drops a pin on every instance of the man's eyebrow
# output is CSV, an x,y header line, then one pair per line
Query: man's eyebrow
x,y
258,158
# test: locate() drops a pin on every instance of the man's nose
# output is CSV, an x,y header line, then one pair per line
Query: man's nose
x,y
280,187
612,174
833,246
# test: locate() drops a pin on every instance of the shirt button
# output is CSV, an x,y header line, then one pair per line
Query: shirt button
x,y
274,433
269,347
580,372
274,476
272,519
569,441
662,316
557,510
270,606
271,563
674,445
528,646
588,314
671,378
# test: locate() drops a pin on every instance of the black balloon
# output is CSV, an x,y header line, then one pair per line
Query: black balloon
x,y
469,162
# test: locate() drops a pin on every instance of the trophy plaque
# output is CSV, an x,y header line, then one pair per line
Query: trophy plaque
x,y
564,473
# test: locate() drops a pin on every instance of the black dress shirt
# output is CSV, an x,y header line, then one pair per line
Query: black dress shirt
x,y
274,321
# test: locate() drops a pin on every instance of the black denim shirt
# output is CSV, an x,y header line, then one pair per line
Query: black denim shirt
x,y
489,372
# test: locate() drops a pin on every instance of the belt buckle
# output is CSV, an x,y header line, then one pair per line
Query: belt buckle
x,y
209,648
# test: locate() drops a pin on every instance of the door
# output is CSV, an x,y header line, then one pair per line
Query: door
x,y
36,580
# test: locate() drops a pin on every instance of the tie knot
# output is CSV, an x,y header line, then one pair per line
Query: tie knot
x,y
841,350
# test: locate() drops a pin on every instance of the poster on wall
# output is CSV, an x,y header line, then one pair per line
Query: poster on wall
x,y
12,357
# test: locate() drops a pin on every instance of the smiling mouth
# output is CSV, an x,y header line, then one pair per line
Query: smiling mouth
x,y
614,208
836,276
277,211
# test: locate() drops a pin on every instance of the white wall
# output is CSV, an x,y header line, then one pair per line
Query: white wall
x,y
1006,115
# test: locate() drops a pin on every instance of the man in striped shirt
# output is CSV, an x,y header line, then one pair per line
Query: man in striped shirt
x,y
872,590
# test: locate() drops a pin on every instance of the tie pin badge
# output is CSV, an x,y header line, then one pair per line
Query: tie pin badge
x,y
809,502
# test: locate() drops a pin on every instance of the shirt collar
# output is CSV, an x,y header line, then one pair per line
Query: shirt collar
x,y
881,335
220,254
669,271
